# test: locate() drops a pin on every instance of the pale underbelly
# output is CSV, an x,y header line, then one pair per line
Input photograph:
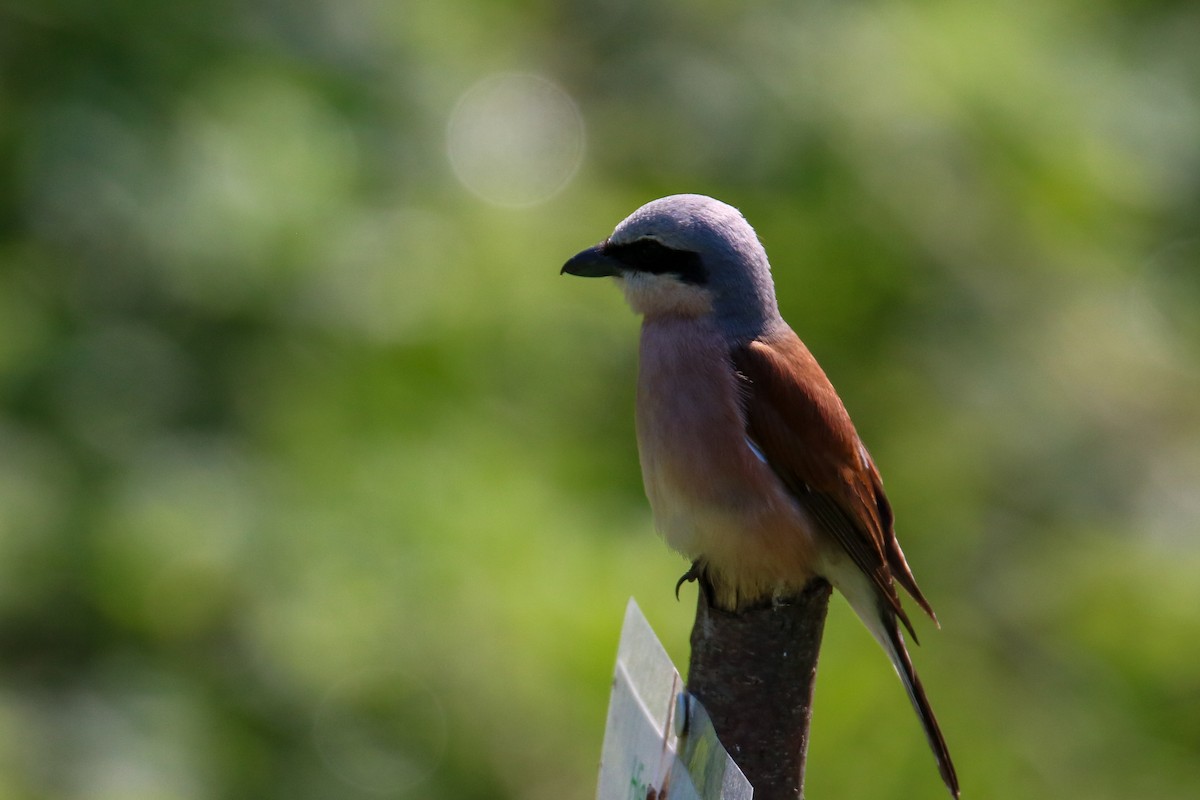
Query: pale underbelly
x,y
713,497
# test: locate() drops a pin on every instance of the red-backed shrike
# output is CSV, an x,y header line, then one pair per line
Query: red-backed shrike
x,y
751,464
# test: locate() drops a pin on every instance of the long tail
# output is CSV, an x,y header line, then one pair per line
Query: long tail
x,y
881,622
916,693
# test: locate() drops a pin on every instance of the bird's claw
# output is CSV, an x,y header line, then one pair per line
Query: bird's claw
x,y
693,574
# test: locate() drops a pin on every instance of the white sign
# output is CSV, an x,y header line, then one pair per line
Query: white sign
x,y
659,743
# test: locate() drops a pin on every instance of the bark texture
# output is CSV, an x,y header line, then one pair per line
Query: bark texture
x,y
754,671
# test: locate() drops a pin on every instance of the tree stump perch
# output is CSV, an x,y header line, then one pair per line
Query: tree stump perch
x,y
754,671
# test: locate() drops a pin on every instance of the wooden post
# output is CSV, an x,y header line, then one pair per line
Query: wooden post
x,y
754,671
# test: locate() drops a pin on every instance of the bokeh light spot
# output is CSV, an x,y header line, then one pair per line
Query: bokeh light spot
x,y
515,140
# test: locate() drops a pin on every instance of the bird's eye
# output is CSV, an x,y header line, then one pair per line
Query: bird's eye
x,y
652,256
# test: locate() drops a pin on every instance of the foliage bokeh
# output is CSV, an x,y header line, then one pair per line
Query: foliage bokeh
x,y
317,481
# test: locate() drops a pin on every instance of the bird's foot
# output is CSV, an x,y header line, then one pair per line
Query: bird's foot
x,y
698,574
694,573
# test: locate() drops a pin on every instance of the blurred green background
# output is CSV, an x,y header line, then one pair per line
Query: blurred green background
x,y
317,481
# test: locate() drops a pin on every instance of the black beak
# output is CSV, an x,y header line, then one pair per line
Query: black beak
x,y
592,263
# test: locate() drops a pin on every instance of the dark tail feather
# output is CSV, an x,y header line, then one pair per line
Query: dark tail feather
x,y
916,693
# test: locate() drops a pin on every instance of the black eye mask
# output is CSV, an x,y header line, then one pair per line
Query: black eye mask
x,y
648,255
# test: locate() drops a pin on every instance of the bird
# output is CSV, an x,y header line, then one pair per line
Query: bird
x,y
752,466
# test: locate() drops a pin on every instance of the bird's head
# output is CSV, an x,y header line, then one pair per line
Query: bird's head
x,y
688,255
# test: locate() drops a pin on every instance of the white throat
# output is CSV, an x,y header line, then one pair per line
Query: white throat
x,y
664,295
